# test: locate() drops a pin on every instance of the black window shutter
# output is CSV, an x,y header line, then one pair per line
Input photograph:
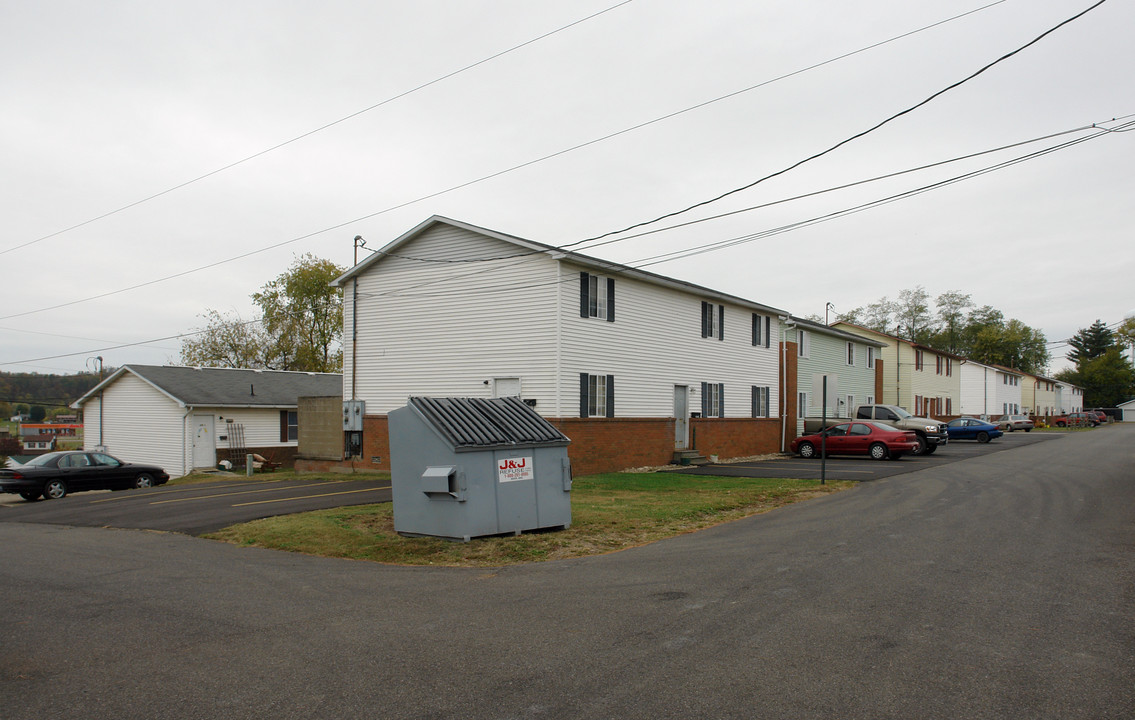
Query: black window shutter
x,y
705,309
721,400
756,400
283,426
705,399
583,395
610,299
768,329
610,396
756,329
584,286
720,322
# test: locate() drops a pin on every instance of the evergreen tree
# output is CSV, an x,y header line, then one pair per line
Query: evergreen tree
x,y
1090,343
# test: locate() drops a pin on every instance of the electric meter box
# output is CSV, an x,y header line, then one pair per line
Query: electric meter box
x,y
469,467
353,411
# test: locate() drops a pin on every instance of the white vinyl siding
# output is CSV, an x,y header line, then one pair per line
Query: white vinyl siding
x,y
655,344
443,329
140,424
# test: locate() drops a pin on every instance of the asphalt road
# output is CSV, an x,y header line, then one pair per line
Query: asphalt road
x,y
198,508
1001,586
864,469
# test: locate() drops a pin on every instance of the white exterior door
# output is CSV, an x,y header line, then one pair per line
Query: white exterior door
x,y
204,441
681,417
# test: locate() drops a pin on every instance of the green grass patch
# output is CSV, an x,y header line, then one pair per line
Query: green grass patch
x,y
275,476
610,512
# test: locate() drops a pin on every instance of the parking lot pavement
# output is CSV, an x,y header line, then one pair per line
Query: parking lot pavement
x,y
199,508
862,468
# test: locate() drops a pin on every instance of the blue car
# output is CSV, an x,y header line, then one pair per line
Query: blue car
x,y
967,428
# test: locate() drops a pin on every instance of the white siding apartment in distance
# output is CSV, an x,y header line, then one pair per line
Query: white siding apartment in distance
x,y
989,390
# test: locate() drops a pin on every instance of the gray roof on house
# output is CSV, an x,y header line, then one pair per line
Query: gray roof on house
x,y
229,387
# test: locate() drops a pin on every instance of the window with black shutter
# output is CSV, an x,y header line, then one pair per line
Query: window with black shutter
x,y
596,297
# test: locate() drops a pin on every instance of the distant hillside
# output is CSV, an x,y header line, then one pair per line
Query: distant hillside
x,y
47,390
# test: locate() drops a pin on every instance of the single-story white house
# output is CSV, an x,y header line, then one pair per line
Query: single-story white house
x,y
183,418
1127,411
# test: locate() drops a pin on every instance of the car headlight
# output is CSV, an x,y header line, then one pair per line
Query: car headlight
x,y
931,429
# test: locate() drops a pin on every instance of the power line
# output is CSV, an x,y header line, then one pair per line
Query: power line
x,y
644,262
492,175
649,260
316,130
845,141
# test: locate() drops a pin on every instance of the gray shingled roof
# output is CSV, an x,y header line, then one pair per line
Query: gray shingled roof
x,y
220,387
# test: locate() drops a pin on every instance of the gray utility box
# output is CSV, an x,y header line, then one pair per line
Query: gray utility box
x,y
468,467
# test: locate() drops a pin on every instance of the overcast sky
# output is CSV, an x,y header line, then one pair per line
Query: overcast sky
x,y
106,104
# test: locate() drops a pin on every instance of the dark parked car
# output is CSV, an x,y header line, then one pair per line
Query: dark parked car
x,y
879,440
967,428
55,474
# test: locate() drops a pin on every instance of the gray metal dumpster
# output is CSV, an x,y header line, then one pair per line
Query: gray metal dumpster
x,y
468,467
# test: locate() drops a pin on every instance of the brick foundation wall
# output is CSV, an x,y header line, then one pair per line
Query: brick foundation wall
x,y
600,444
614,444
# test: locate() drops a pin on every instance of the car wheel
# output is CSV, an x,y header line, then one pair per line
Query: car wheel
x,y
879,451
1059,424
144,480
1028,429
930,449
983,437
54,490
1011,428
31,496
923,447
807,450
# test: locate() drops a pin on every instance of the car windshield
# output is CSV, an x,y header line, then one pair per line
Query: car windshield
x,y
43,460
885,426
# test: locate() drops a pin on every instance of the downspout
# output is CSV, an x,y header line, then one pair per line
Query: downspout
x,y
784,380
354,333
184,436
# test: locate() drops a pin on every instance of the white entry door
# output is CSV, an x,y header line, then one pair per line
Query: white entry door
x,y
681,417
204,441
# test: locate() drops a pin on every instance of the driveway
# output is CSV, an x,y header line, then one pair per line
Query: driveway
x,y
863,469
198,508
994,587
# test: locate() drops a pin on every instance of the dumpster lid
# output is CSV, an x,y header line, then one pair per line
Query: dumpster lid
x,y
481,422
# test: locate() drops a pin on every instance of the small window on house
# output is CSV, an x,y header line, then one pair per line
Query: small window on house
x,y
803,343
289,426
918,360
596,297
712,320
870,358
596,395
760,401
713,400
762,330
851,353
802,404
938,358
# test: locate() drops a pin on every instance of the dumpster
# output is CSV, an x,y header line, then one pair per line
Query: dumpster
x,y
469,467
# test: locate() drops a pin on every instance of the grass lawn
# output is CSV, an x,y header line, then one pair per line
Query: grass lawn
x,y
610,512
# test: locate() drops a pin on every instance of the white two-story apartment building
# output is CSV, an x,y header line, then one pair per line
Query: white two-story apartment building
x,y
629,364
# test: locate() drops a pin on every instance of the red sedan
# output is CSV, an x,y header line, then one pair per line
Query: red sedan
x,y
879,440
